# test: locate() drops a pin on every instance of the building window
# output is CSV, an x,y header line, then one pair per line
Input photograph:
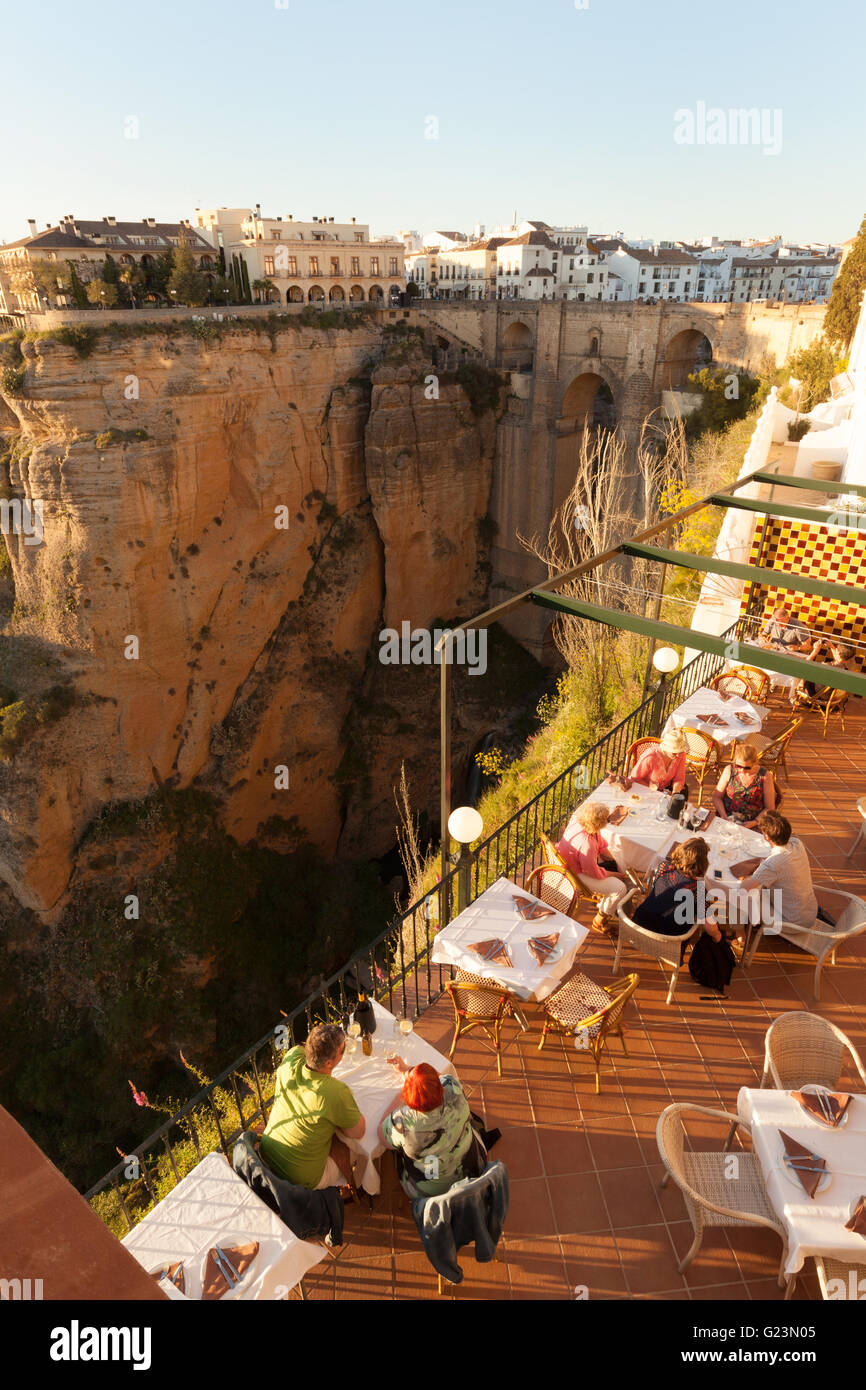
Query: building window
x,y
374,265
359,236
314,265
356,266
335,265
590,277
269,265
293,265
276,234
393,264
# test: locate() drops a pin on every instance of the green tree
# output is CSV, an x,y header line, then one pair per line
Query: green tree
x,y
188,284
158,274
132,285
815,366
262,289
726,396
843,307
224,290
245,283
109,271
412,290
99,292
77,289
50,278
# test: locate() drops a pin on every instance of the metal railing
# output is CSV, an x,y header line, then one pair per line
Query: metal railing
x,y
396,968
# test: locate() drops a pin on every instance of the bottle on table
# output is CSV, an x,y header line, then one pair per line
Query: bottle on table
x,y
366,1020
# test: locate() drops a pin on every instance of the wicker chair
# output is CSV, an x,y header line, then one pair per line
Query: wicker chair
x,y
703,757
731,683
484,1004
665,949
555,885
861,833
803,1049
829,1269
758,681
773,751
716,1191
590,1011
820,940
827,702
637,749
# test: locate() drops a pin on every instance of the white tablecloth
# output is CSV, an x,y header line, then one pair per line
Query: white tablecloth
x,y
706,701
211,1206
642,838
815,1225
727,847
374,1084
495,914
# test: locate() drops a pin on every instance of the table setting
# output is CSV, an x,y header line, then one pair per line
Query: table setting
x,y
510,936
374,1082
212,1237
811,1145
725,718
640,831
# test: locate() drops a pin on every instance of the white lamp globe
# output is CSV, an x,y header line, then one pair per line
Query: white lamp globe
x,y
465,825
666,660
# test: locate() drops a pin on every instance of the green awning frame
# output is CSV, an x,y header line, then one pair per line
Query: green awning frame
x,y
789,510
754,574
668,633
835,488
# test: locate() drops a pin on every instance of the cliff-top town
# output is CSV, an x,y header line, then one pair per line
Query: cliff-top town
x,y
246,257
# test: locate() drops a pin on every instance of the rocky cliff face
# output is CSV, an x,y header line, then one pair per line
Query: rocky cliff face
x,y
228,526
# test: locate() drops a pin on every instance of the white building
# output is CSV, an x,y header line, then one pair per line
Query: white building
x,y
671,275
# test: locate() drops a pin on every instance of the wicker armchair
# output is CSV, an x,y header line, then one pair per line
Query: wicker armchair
x,y
820,940
637,749
484,1004
592,1012
802,1049
731,683
703,757
556,886
717,1192
772,751
665,949
829,1269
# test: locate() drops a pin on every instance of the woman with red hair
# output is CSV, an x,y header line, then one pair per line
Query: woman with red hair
x,y
431,1132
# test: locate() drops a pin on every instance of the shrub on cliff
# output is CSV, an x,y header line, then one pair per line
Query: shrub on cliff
x,y
20,720
78,336
112,436
12,381
481,384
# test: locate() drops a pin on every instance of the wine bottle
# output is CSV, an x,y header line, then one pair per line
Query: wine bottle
x,y
366,1020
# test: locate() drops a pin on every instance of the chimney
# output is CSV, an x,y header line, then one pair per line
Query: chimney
x,y
353,221
330,219
31,223
112,221
288,217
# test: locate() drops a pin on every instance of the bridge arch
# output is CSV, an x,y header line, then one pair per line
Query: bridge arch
x,y
688,351
588,399
518,347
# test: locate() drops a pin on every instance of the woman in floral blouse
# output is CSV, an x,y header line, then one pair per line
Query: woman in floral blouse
x,y
745,789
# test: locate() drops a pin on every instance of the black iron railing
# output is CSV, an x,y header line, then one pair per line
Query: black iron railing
x,y
396,968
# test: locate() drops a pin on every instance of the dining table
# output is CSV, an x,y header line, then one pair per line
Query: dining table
x,y
374,1082
211,1208
815,1225
724,718
508,914
645,831
730,846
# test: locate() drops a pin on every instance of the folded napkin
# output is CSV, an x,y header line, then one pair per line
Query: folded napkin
x,y
543,947
715,720
722,696
809,1167
747,719
857,1222
530,910
494,951
829,1107
225,1267
173,1273
617,815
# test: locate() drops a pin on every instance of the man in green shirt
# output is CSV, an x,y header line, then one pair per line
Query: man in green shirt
x,y
310,1105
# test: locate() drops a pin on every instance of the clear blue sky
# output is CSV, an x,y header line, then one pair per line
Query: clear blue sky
x,y
320,107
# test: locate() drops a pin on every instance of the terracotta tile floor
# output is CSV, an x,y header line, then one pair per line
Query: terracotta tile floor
x,y
586,1208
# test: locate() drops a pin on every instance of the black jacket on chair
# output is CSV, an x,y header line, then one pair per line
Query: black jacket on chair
x,y
309,1215
472,1210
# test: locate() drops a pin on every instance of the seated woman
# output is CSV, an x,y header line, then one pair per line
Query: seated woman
x,y
663,766
587,854
745,789
431,1132
672,905
841,656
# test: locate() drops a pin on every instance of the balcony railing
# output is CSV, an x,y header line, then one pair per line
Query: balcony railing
x,y
396,968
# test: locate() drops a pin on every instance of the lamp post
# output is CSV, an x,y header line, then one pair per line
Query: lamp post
x,y
464,826
665,660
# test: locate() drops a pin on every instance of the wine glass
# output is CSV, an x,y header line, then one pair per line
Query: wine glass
x,y
353,1033
406,1026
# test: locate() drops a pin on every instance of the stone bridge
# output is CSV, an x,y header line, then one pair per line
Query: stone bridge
x,y
608,364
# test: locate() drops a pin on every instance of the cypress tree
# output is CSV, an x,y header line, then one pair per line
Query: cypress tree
x,y
843,306
247,292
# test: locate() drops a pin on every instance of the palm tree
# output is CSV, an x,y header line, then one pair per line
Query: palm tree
x,y
262,289
132,278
